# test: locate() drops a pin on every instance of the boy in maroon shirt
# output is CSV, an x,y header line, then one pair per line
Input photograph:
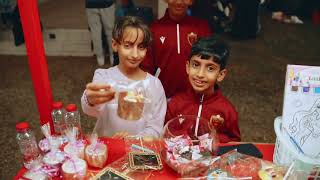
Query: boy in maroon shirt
x,y
207,67
173,36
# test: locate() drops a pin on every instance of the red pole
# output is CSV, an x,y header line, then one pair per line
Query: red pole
x,y
36,56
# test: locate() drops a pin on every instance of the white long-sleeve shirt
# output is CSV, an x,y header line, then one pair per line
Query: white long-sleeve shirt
x,y
108,121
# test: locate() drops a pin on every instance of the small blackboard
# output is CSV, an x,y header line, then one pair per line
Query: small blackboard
x,y
145,161
111,174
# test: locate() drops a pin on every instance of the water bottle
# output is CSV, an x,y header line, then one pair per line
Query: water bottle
x,y
28,145
57,114
72,117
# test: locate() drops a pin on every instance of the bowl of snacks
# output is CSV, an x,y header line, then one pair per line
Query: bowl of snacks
x,y
190,144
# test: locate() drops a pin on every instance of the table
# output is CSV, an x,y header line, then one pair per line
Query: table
x,y
116,149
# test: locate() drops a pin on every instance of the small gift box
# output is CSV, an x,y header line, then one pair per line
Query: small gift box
x,y
74,169
96,153
74,147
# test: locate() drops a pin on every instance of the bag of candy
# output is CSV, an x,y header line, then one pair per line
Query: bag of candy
x,y
234,165
96,152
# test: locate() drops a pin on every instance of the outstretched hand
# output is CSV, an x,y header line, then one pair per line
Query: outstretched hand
x,y
99,93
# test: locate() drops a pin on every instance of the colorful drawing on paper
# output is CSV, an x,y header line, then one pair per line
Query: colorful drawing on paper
x,y
301,109
306,124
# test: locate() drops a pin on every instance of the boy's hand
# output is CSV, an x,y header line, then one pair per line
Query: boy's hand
x,y
99,93
216,121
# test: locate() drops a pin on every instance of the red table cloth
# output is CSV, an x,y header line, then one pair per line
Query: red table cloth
x,y
116,149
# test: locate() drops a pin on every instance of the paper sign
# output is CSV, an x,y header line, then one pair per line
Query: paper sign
x,y
301,108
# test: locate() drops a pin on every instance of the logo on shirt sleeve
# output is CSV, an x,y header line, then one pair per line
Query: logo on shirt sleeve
x,y
192,38
162,38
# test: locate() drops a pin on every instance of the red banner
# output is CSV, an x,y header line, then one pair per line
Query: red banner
x,y
36,56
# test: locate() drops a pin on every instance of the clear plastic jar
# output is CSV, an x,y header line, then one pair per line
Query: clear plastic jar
x,y
57,114
28,145
72,117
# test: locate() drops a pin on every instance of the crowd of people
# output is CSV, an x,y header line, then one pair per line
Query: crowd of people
x,y
178,64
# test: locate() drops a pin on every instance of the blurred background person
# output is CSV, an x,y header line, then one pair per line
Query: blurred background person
x,y
101,15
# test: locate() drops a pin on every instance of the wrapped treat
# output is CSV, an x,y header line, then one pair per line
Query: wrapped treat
x,y
130,106
234,165
96,153
44,144
74,147
36,173
131,101
53,159
74,169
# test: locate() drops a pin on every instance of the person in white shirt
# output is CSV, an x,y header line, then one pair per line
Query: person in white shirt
x,y
131,38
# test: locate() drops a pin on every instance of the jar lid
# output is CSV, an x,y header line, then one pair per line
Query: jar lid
x,y
22,126
57,105
71,107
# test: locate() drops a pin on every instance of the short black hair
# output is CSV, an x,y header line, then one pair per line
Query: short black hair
x,y
211,47
131,21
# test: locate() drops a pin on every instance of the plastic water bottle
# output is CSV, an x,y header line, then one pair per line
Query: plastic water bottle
x,y
72,117
57,114
28,145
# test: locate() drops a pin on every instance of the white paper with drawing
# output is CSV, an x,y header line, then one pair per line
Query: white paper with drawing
x,y
301,108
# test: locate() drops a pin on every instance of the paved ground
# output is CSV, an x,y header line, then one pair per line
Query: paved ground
x,y
254,84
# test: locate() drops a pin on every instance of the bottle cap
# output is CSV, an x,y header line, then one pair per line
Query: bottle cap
x,y
22,126
57,105
71,107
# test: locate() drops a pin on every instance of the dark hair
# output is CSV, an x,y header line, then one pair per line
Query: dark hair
x,y
131,21
211,47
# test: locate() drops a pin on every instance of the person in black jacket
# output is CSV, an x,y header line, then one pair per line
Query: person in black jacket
x,y
101,13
